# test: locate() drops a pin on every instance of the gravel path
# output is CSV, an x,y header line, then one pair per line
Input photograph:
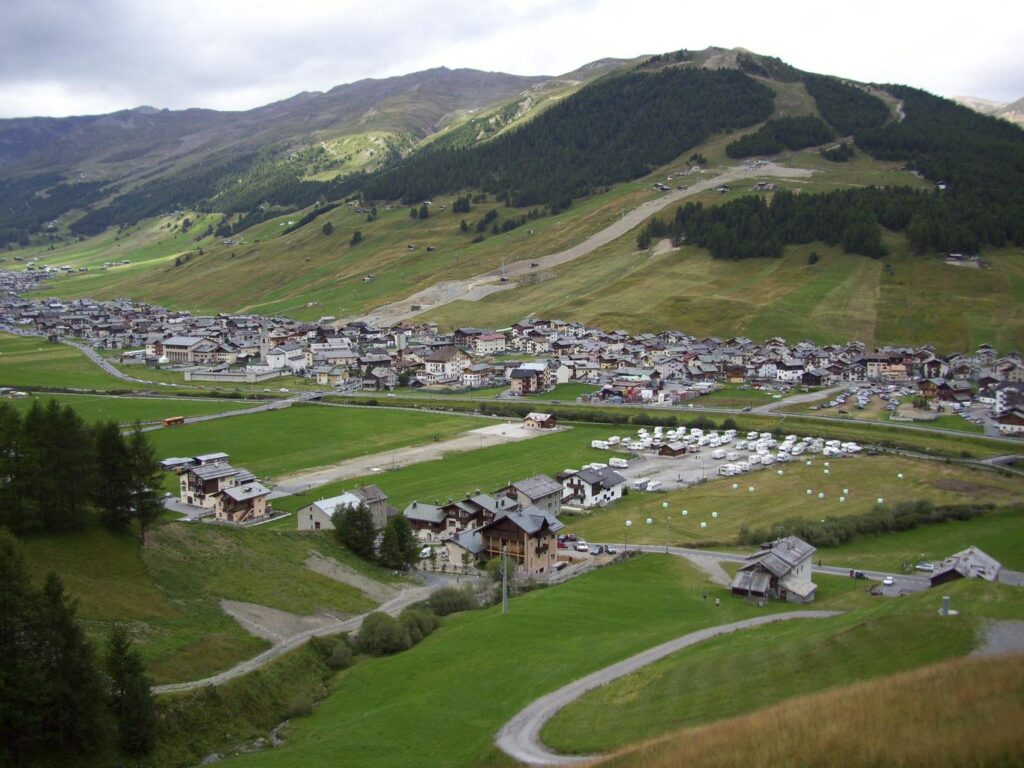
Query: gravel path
x,y
1003,636
361,466
519,738
393,607
474,288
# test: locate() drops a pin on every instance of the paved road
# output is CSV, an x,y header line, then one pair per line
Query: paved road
x,y
804,397
392,607
519,738
474,288
907,583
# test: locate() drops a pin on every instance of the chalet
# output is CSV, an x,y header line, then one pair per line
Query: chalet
x,y
539,491
445,363
477,375
380,378
464,548
971,563
538,420
527,536
1011,422
319,515
427,520
816,377
592,487
234,494
780,569
674,448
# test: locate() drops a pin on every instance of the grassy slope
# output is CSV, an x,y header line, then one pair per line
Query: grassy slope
x,y
304,436
729,676
959,713
776,498
30,361
486,469
126,410
480,668
169,592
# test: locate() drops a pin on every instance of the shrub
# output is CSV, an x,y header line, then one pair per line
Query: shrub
x,y
425,620
451,600
382,634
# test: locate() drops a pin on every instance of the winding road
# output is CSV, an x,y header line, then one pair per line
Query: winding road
x,y
476,287
392,607
519,738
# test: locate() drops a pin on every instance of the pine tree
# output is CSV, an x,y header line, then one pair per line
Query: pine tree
x,y
145,480
22,689
12,495
398,544
424,212
113,490
73,683
131,695
354,526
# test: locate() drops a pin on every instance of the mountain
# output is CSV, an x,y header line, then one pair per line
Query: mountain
x,y
1014,111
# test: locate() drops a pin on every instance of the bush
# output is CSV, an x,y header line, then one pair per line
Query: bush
x,y
451,600
336,651
419,622
382,634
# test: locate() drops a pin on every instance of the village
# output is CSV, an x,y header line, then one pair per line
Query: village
x,y
669,369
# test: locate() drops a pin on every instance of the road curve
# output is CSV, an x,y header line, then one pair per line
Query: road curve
x,y
392,607
519,738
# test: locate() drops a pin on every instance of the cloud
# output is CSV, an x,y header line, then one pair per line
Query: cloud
x,y
74,56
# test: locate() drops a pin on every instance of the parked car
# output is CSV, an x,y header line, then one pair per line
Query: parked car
x,y
597,549
562,544
924,565
611,550
582,546
888,581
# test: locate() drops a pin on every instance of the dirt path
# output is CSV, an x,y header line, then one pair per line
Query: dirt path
x,y
272,624
393,607
332,569
473,440
712,569
475,288
519,738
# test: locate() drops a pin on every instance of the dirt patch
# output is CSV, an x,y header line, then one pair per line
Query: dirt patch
x,y
965,486
332,569
997,637
272,624
712,569
664,246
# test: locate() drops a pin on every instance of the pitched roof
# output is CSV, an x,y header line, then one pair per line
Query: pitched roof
x,y
246,492
531,520
537,487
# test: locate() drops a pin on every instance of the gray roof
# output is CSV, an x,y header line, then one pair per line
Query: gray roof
x,y
470,540
605,477
425,513
246,492
789,550
213,471
751,581
537,487
531,520
971,563
207,458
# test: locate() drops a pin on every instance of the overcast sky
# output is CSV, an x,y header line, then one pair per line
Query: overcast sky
x,y
62,57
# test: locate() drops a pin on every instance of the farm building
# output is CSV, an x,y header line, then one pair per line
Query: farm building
x,y
971,563
780,569
318,516
537,420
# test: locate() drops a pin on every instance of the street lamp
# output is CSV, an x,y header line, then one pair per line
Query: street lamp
x,y
629,524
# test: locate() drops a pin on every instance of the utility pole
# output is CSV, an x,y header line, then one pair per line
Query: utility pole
x,y
504,579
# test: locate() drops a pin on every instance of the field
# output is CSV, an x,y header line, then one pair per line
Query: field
x,y
127,410
875,411
776,498
305,436
30,361
728,676
446,717
842,297
169,591
958,713
998,534
734,396
486,469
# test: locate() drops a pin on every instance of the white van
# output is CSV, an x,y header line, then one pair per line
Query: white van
x,y
618,463
718,453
